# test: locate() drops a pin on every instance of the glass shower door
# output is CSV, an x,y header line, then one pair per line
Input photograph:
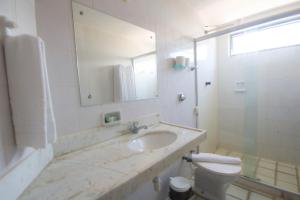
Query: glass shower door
x,y
249,91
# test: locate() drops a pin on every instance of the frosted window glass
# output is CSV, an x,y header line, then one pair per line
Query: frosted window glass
x,y
266,38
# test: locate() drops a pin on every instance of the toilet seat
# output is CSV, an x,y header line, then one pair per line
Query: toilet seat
x,y
221,169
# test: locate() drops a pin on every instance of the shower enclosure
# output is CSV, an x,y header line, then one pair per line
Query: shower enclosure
x,y
252,77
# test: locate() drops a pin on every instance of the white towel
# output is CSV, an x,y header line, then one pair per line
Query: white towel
x,y
29,91
214,158
124,83
117,84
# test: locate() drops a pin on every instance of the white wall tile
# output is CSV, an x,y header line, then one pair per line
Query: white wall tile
x,y
25,16
7,8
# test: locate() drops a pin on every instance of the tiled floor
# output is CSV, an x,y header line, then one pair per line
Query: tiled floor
x,y
237,193
279,174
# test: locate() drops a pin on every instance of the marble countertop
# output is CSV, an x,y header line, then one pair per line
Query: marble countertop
x,y
109,170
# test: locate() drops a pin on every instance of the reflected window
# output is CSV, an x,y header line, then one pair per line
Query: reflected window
x,y
145,73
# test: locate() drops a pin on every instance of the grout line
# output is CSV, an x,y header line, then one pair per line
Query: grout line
x,y
265,194
272,196
228,152
256,167
298,177
242,156
248,195
276,172
233,196
266,175
282,172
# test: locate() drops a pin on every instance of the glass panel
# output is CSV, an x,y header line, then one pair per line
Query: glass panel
x,y
258,101
207,93
250,118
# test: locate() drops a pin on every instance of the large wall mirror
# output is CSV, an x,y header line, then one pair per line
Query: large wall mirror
x,y
116,60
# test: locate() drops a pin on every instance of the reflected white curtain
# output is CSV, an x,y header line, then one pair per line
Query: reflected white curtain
x,y
124,83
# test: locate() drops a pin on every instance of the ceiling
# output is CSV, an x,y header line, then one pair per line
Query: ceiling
x,y
217,12
189,17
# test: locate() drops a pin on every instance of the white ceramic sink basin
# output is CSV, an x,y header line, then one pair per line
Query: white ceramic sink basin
x,y
152,140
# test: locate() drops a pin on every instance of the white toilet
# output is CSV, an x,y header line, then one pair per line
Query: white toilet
x,y
213,179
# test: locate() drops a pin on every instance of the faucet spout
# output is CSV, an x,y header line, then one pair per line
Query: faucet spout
x,y
134,128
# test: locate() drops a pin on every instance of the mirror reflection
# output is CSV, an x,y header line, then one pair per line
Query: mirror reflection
x,y
116,60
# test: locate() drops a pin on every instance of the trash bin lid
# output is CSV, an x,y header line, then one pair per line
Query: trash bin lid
x,y
180,184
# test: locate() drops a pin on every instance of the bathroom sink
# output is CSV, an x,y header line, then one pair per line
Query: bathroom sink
x,y
152,140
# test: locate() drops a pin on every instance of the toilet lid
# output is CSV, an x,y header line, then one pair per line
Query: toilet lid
x,y
218,168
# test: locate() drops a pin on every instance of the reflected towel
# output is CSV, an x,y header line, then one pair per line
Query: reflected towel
x,y
124,83
214,158
29,91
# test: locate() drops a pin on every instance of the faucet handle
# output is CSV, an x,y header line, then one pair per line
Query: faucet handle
x,y
133,124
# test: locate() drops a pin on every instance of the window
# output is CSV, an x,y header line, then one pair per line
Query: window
x,y
145,76
263,38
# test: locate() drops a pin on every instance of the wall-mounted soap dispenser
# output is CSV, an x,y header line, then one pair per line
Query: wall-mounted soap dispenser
x,y
180,62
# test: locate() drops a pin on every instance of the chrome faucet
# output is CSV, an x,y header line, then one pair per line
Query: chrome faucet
x,y
134,128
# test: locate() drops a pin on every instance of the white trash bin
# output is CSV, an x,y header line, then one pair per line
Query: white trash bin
x,y
180,188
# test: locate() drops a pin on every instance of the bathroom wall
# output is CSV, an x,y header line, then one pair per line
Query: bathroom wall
x,y
54,25
23,13
265,120
173,33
